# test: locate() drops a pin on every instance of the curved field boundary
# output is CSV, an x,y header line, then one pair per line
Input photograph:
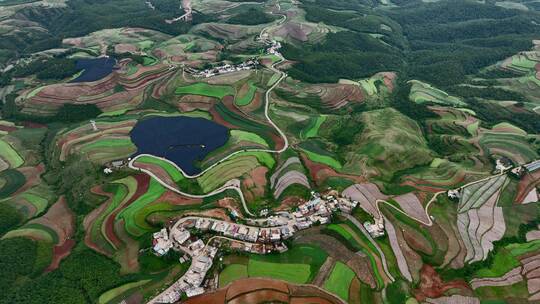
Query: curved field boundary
x,y
248,97
323,159
9,154
109,295
340,280
204,89
240,135
232,184
312,130
14,180
135,225
368,236
360,245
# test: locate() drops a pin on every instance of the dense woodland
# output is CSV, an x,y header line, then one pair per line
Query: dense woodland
x,y
440,43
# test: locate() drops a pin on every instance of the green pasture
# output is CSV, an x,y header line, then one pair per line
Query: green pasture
x,y
339,280
10,155
204,89
523,248
109,143
295,273
33,233
502,263
323,159
248,97
299,264
239,135
109,295
312,130
232,273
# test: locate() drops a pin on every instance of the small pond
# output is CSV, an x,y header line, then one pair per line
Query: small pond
x,y
94,68
182,140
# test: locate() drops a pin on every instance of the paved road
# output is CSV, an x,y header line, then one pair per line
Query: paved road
x,y
233,184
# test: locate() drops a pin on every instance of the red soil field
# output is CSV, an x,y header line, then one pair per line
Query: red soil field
x,y
142,187
254,290
320,172
432,286
254,184
7,128
59,253
230,204
32,175
261,296
91,218
177,200
527,183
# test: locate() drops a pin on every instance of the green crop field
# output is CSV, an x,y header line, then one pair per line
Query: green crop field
x,y
231,273
39,202
248,97
376,99
31,232
134,215
239,135
312,130
357,241
13,180
120,190
339,280
323,159
425,93
173,172
295,273
10,155
108,296
205,89
304,259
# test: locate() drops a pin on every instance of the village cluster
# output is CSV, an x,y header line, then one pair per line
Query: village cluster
x,y
250,64
260,236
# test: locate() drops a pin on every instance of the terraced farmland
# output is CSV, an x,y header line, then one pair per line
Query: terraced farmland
x,y
205,89
480,220
424,93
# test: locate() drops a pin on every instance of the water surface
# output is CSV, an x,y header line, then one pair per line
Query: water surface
x,y
94,68
182,140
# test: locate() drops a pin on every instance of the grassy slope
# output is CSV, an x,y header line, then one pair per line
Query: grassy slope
x,y
339,280
204,89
